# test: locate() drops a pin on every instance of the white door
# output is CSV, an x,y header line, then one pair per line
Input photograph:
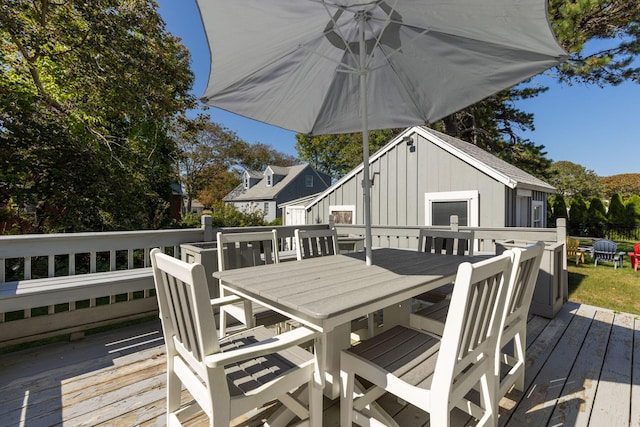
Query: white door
x,y
295,215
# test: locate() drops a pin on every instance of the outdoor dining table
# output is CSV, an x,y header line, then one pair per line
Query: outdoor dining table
x,y
326,293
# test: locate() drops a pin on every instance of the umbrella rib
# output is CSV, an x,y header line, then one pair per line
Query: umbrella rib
x,y
337,28
385,26
391,54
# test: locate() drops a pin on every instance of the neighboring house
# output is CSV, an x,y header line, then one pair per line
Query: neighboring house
x,y
267,190
196,207
422,177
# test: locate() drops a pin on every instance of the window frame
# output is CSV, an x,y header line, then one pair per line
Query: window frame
x,y
472,197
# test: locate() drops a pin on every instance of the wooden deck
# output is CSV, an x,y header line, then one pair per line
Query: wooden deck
x,y
583,369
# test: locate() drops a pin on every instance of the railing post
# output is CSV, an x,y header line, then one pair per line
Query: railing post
x,y
561,236
453,223
207,228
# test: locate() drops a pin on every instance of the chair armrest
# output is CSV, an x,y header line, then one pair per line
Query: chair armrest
x,y
230,299
268,346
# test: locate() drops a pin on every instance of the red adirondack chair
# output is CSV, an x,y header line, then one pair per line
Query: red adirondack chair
x,y
635,256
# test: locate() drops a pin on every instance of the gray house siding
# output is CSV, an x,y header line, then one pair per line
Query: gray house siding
x,y
511,206
403,175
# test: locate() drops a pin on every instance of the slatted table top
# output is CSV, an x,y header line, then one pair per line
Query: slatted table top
x,y
327,291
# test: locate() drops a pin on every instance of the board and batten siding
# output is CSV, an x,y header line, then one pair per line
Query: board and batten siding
x,y
402,176
511,195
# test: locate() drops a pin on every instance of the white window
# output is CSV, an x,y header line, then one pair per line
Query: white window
x,y
266,208
269,180
440,206
246,181
537,213
343,214
308,181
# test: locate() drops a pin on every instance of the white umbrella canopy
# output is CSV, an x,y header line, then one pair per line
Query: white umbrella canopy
x,y
338,66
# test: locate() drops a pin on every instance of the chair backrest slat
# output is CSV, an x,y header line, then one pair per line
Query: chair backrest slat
x,y
183,297
237,250
475,314
523,279
316,243
446,242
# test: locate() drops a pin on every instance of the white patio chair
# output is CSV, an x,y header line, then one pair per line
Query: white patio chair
x,y
435,374
522,282
316,243
237,250
444,242
231,376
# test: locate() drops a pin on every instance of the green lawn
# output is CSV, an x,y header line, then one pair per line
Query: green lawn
x,y
602,286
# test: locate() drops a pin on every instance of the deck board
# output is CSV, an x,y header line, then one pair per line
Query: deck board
x,y
583,369
574,405
613,398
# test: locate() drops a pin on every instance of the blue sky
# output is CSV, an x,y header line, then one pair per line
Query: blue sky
x,y
594,127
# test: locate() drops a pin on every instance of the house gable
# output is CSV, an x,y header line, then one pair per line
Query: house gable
x,y
419,162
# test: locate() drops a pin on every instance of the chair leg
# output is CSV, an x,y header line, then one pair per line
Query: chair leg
x,y
174,386
520,341
315,404
346,398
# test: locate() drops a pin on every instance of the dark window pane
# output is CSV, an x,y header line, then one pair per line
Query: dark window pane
x,y
441,211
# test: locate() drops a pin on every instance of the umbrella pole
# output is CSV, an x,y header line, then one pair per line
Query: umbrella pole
x,y
361,17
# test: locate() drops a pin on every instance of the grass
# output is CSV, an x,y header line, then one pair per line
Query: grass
x,y
602,286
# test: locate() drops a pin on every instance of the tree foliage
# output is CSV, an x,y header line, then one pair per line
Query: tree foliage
x,y
559,207
626,184
210,157
336,155
495,124
204,155
596,217
87,90
572,179
602,38
616,213
577,222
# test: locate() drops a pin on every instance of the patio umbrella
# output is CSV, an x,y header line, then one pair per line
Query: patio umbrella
x,y
338,66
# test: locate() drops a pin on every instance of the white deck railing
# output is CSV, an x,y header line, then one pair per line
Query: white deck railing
x,y
61,257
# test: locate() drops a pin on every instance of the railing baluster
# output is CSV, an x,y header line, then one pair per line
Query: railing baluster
x,y
72,264
112,260
130,259
52,265
27,268
92,262
2,271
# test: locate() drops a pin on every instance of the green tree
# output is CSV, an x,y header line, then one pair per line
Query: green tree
x,y
616,215
258,156
83,115
632,207
613,24
577,222
559,207
572,179
336,155
626,184
495,125
205,153
596,217
225,215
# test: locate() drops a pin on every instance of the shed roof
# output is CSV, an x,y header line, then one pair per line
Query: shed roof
x,y
478,157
